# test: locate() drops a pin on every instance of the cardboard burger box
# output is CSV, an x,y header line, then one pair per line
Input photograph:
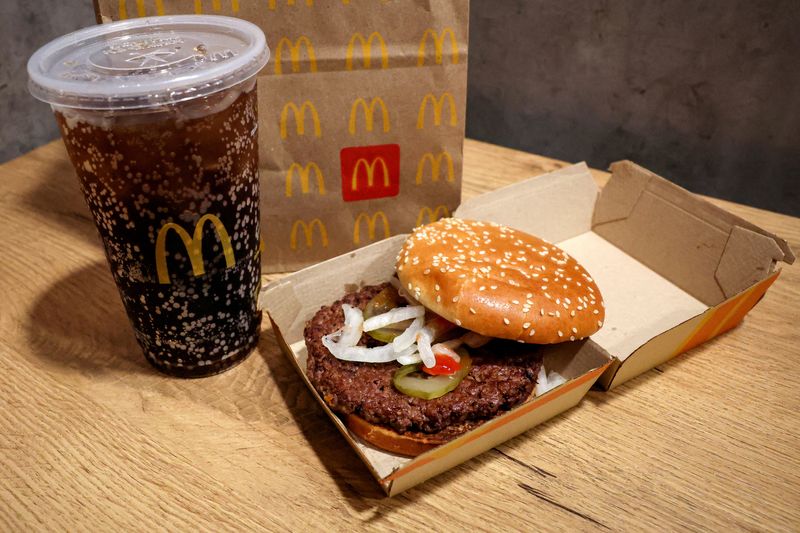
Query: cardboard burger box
x,y
673,269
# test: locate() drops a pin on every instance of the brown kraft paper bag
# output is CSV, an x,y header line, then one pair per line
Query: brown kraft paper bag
x,y
361,116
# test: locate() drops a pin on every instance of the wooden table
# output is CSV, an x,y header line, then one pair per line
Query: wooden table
x,y
92,438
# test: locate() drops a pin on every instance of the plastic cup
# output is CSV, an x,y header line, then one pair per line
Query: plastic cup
x,y
159,117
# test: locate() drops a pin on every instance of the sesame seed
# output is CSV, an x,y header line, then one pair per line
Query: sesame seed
x,y
572,313
531,332
541,311
438,298
560,334
471,310
596,312
572,337
506,321
410,286
600,323
458,322
574,330
493,287
516,302
436,286
526,325
426,271
482,288
455,299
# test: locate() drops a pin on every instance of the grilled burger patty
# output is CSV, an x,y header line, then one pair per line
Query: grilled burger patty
x,y
500,379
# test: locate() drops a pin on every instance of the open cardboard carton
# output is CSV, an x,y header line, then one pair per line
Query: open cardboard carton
x,y
674,271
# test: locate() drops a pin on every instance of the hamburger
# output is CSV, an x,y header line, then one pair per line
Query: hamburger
x,y
452,340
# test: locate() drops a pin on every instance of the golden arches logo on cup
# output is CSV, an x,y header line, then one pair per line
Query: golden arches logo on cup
x,y
273,4
366,50
193,245
305,173
370,172
437,104
435,166
369,114
438,40
432,215
299,114
294,54
308,232
372,222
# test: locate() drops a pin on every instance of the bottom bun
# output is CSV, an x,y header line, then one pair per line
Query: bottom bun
x,y
409,444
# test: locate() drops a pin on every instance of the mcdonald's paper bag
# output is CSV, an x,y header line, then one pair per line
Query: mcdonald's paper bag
x,y
361,116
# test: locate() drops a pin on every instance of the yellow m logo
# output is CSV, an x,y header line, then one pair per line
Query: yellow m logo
x,y
369,168
436,166
193,245
216,5
294,54
437,109
366,49
438,45
369,114
300,118
274,3
440,211
371,222
304,172
308,232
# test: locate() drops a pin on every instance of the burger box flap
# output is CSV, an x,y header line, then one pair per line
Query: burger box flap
x,y
673,269
293,300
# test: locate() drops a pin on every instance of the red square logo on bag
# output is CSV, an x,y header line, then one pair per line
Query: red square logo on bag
x,y
370,172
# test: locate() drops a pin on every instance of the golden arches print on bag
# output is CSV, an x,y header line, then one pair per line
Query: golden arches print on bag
x,y
438,107
438,40
366,50
294,54
304,172
308,232
435,166
369,114
372,222
428,215
350,87
299,114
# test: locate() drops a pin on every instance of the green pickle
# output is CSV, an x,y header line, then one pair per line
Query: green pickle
x,y
383,302
412,381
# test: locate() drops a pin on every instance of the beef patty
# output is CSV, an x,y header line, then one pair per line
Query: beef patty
x,y
503,375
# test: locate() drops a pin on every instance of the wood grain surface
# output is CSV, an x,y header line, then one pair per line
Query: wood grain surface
x,y
91,438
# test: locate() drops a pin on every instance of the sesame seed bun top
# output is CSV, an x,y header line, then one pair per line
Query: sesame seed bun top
x,y
500,282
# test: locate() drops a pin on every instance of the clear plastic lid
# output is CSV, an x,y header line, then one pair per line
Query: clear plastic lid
x,y
146,62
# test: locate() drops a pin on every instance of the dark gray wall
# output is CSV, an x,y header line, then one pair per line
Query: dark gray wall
x,y
25,25
707,93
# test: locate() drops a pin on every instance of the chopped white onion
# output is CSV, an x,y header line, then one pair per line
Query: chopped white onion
x,y
547,381
424,338
554,379
353,325
398,314
411,359
407,338
445,348
541,382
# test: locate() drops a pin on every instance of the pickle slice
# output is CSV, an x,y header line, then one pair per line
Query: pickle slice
x,y
412,381
385,301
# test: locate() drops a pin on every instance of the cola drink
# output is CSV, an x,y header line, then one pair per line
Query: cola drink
x,y
172,183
